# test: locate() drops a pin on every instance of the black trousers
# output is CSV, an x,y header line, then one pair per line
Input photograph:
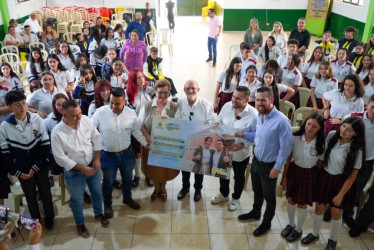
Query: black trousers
x,y
171,22
198,185
239,168
40,180
263,189
366,216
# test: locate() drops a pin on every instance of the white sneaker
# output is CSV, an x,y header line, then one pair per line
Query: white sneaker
x,y
234,205
219,198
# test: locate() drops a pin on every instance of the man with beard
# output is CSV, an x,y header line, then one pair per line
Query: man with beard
x,y
138,25
273,140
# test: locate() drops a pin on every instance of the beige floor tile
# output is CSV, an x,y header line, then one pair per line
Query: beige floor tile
x,y
69,227
368,239
151,241
188,203
224,221
65,241
147,204
57,223
112,241
193,221
228,241
267,241
209,195
190,241
152,223
252,225
121,223
347,243
319,244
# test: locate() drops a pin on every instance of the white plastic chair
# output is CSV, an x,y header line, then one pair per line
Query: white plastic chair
x,y
44,55
20,69
69,37
286,108
304,94
10,58
10,49
40,45
164,37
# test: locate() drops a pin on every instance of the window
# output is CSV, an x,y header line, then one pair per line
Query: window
x,y
354,2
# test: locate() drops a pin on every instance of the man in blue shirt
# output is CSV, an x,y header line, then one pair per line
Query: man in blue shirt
x,y
137,24
273,144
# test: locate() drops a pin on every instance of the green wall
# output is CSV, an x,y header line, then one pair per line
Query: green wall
x,y
190,7
238,19
337,23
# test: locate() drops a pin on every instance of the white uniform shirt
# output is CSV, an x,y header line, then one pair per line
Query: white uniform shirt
x,y
310,69
15,83
340,72
369,91
282,61
116,81
216,157
201,110
110,44
245,65
116,130
291,78
252,88
280,40
37,67
322,86
62,78
41,99
248,118
369,133
222,80
75,74
304,154
363,74
73,146
340,106
337,158
67,62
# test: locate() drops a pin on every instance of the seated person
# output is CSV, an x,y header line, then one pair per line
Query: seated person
x,y
326,44
348,42
28,37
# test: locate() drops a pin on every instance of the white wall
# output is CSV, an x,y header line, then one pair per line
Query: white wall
x,y
265,4
102,3
24,9
354,12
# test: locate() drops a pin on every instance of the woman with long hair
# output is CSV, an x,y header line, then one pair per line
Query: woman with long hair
x,y
341,67
66,55
97,59
369,86
251,82
344,155
226,84
311,66
116,75
101,96
35,65
7,75
273,65
253,35
118,32
109,40
300,174
279,35
79,61
95,39
84,89
269,51
365,65
62,76
292,78
369,47
49,37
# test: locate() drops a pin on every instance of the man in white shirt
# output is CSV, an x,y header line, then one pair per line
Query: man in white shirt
x,y
239,115
28,37
76,146
197,109
34,24
116,123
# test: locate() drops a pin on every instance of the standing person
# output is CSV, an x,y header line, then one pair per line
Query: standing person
x,y
307,148
253,36
26,154
302,35
147,19
237,114
134,51
365,217
158,107
194,108
279,35
84,88
76,146
95,39
116,123
226,84
273,140
369,47
170,7
137,25
343,159
97,59
101,96
203,163
215,28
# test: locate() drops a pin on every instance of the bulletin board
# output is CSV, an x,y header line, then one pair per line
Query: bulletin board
x,y
316,16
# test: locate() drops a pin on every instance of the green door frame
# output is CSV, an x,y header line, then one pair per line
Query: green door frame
x,y
5,15
369,22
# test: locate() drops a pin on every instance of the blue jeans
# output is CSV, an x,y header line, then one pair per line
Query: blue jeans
x,y
76,182
212,46
109,165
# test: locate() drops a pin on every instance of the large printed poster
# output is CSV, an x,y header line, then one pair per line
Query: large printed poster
x,y
191,146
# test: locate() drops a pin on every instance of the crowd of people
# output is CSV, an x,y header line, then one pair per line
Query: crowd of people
x,y
92,104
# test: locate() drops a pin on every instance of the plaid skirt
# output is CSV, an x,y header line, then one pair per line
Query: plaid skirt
x,y
295,99
328,186
301,184
4,187
307,82
318,101
135,145
329,127
223,98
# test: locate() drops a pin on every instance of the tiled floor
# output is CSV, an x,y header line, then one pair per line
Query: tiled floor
x,y
183,224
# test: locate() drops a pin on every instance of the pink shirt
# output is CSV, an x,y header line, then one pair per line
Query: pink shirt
x,y
214,24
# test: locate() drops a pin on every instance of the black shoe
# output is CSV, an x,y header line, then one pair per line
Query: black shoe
x,y
108,211
286,231
102,219
327,215
86,197
261,230
131,203
149,182
309,239
183,193
214,64
48,223
356,231
293,236
331,245
249,216
135,181
197,195
51,181
209,59
117,184
350,222
82,231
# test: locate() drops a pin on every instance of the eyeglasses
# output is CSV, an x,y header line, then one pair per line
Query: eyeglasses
x,y
163,93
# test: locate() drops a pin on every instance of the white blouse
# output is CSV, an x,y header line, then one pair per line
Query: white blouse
x,y
340,106
222,80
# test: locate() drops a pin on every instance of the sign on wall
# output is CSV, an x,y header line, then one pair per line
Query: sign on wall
x,y
316,16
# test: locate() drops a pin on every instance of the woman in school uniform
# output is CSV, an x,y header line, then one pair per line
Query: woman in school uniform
x,y
335,186
321,83
369,86
7,75
341,67
365,65
84,88
62,76
311,66
251,83
301,173
339,103
226,84
292,77
65,55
